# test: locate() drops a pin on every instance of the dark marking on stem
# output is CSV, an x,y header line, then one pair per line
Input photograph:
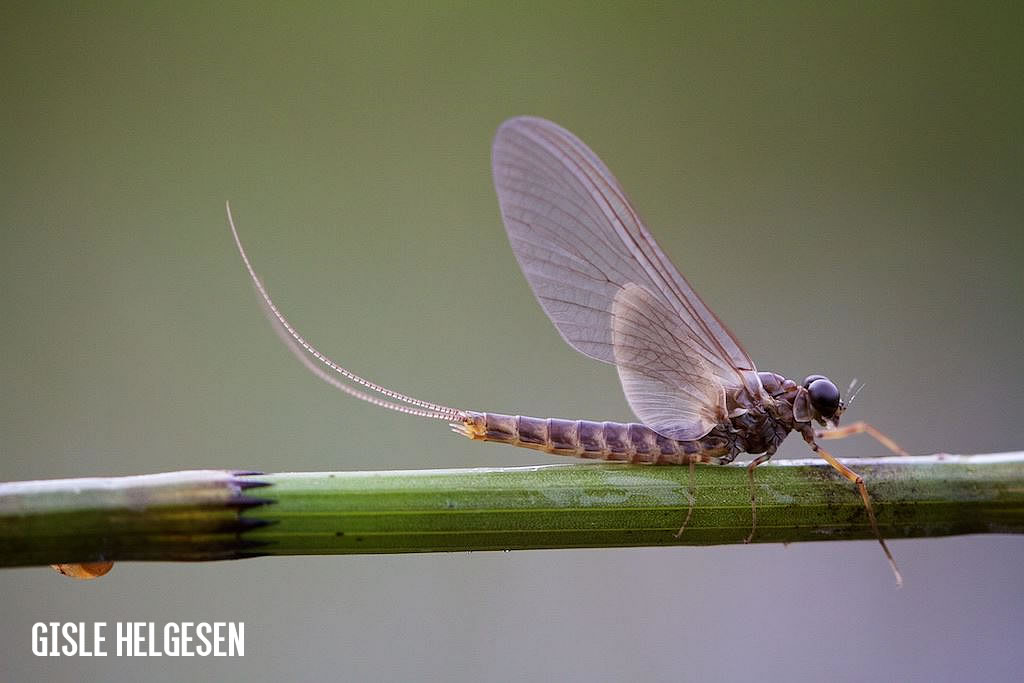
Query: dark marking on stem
x,y
247,484
243,524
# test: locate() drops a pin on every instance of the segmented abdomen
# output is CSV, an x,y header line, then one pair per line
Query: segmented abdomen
x,y
628,442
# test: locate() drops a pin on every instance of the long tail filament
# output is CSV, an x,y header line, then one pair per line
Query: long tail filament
x,y
316,361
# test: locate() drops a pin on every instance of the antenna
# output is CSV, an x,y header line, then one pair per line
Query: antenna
x,y
853,394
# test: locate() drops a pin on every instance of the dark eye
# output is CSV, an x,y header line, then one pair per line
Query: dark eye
x,y
810,378
824,395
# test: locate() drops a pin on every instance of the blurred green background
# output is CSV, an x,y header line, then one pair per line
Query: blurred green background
x,y
842,183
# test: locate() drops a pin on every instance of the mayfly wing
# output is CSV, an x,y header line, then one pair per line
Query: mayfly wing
x,y
663,374
580,242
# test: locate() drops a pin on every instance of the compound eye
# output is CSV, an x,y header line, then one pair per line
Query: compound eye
x,y
810,378
824,396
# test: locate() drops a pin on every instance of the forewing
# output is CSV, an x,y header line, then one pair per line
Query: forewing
x,y
580,242
668,385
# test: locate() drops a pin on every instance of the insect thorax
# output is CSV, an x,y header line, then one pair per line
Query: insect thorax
x,y
763,427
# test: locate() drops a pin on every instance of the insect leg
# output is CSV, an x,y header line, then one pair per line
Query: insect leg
x,y
860,428
764,457
863,490
693,498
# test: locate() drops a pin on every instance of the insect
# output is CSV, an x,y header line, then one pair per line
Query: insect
x,y
613,295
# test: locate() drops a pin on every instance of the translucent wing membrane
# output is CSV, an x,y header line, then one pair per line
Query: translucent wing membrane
x,y
668,384
580,243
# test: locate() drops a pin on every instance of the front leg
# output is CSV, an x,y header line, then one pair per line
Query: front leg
x,y
860,428
862,488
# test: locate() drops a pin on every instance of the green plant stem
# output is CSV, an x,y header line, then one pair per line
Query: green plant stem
x,y
223,515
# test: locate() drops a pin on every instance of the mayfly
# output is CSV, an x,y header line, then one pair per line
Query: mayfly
x,y
613,295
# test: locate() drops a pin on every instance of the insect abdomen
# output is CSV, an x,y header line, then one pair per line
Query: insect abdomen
x,y
627,442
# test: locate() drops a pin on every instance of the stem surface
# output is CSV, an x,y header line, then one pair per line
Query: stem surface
x,y
227,515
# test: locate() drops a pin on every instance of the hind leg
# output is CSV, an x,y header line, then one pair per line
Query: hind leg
x,y
691,460
693,498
